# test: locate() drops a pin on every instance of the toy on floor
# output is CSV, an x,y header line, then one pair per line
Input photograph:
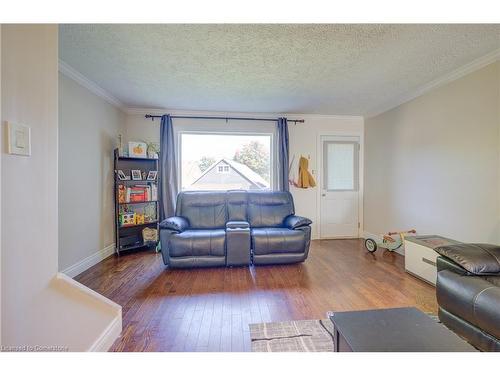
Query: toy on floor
x,y
389,242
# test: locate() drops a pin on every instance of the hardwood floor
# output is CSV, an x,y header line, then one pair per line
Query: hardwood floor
x,y
210,309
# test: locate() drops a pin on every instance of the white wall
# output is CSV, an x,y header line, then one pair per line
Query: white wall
x,y
88,132
38,306
1,143
303,141
29,184
433,163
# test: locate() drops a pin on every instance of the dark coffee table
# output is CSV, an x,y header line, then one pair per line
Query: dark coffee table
x,y
393,330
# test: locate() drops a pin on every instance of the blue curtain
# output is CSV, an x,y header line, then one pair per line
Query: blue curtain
x,y
283,151
168,169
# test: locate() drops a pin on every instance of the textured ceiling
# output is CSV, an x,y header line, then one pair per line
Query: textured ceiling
x,y
326,69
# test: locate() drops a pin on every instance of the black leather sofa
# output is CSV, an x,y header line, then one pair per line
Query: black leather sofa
x,y
234,228
468,292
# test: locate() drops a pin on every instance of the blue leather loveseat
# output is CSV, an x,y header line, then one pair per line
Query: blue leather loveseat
x,y
234,228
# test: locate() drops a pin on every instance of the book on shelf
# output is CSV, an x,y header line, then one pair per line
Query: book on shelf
x,y
122,194
137,193
154,192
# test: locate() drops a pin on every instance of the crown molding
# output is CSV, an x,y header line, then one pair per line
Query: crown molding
x,y
93,87
447,78
475,65
176,112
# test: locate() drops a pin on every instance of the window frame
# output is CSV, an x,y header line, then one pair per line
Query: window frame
x,y
272,152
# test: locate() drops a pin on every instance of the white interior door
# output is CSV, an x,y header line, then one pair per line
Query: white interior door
x,y
340,188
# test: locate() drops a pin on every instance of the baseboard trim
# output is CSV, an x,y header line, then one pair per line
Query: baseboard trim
x,y
90,261
108,337
378,238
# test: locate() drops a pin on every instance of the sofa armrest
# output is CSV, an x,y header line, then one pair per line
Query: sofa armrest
x,y
478,259
294,222
175,223
472,298
237,225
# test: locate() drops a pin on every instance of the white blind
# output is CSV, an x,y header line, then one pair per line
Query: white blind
x,y
341,173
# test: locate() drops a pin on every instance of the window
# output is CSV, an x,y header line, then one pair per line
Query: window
x,y
225,161
341,165
223,168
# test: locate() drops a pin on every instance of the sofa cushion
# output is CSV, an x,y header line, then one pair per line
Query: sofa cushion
x,y
472,298
277,240
198,243
479,259
237,205
203,210
269,209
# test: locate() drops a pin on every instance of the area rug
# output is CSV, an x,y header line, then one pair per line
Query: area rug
x,y
292,336
296,336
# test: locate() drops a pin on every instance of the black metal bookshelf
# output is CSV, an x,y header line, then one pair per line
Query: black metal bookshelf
x,y
129,236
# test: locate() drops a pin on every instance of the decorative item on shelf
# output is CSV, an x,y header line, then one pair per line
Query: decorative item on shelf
x,y
149,235
150,212
122,176
137,149
152,175
153,149
124,209
120,145
136,175
127,218
122,194
144,175
139,218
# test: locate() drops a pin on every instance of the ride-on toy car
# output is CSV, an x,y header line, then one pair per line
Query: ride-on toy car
x,y
389,242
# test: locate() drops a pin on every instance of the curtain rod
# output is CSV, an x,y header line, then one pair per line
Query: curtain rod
x,y
152,117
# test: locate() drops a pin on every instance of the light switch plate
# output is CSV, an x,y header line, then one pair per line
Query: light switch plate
x,y
18,139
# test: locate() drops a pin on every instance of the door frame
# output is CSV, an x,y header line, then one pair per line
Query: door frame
x,y
319,147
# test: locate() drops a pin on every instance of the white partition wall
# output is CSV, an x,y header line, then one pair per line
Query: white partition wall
x,y
40,308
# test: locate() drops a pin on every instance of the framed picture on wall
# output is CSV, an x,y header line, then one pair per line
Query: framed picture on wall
x,y
136,175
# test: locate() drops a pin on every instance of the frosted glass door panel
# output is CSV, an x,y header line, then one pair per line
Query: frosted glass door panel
x,y
339,203
341,166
